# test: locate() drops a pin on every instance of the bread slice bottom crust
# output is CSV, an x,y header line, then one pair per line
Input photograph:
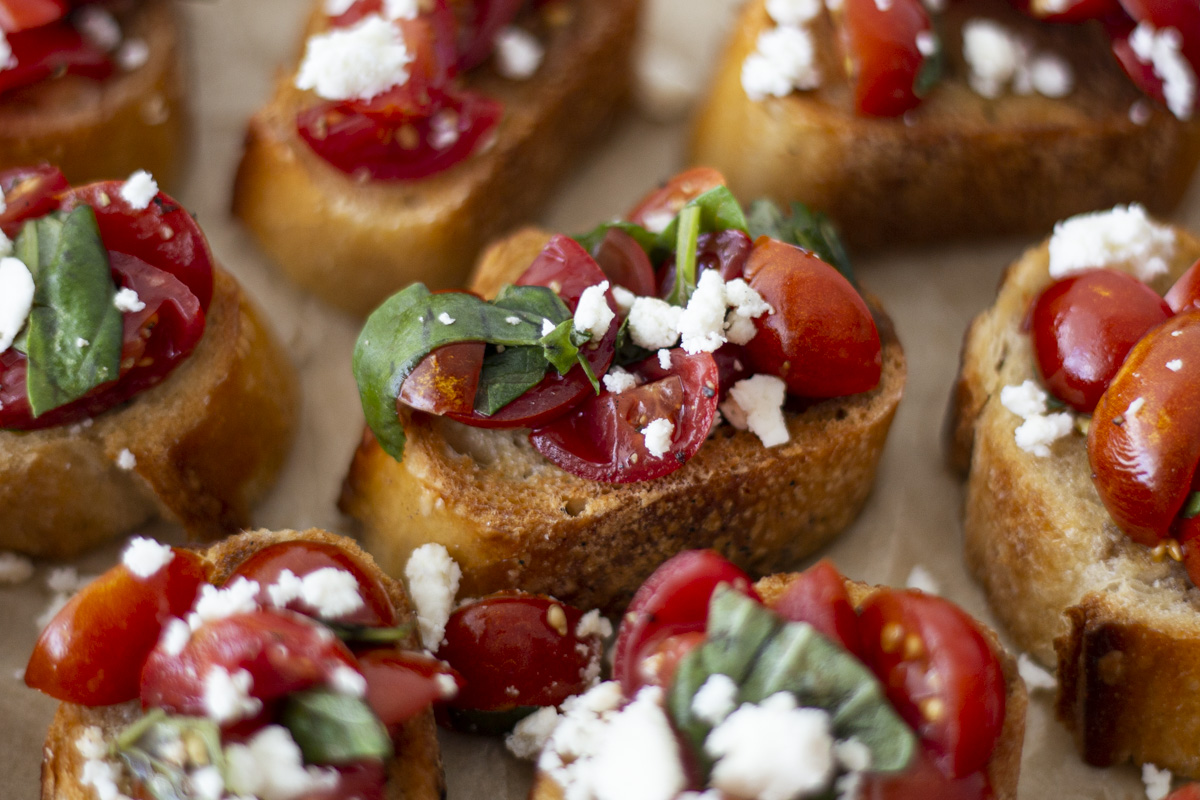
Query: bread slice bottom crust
x,y
414,774
1069,587
208,442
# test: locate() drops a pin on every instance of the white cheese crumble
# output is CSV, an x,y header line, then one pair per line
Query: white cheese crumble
x,y
346,680
664,358
657,222
702,324
7,59
617,380
1158,782
145,557
623,297
518,53
784,59
793,12
271,767
335,8
593,624
207,783
658,435
102,776
98,27
513,320
138,190
997,57
90,743
716,699
133,54
433,579
1175,364
1051,75
592,314
1036,434
529,736
401,9
447,686
1123,237
15,568
175,636
1025,400
922,579
1161,49
548,327
126,460
445,318
227,695
358,62
756,404
331,592
236,597
1035,677
16,299
654,323
927,43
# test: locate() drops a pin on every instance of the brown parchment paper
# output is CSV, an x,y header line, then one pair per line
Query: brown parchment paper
x,y
912,517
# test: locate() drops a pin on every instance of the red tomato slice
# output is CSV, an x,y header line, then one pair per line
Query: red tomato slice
x,y
1187,532
924,781
401,683
725,251
430,41
1184,295
665,202
625,263
284,653
881,39
52,50
514,649
1189,792
1182,15
821,339
660,662
940,674
29,192
1083,326
673,600
303,558
601,439
18,15
445,381
818,596
75,659
365,780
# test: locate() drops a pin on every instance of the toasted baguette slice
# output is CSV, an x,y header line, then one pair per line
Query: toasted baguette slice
x,y
414,774
96,130
959,165
1005,766
354,243
208,441
514,520
1123,628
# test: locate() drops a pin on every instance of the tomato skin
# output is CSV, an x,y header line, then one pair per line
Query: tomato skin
x,y
881,39
445,381
910,637
666,201
1182,15
818,596
821,339
674,600
74,659
625,263
1184,294
402,683
1189,792
1069,12
50,50
304,557
1084,325
661,661
924,781
29,192
18,15
1143,463
725,251
509,652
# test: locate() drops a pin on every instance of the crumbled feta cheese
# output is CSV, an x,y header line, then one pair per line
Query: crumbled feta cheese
x,y
513,320
102,776
1135,406
1034,676
447,686
1051,75
657,221
335,8
90,743
16,299
784,59
518,53
445,318
1123,237
346,680
1025,400
15,568
7,59
271,767
1037,433
793,12
716,699
927,43
853,755
702,323
401,9
621,295
145,557
207,783
1161,49
433,578
756,403
98,27
227,695
175,636
1175,364
548,327
592,314
654,323
133,54
772,751
658,435
126,460
81,342
529,736
358,62
239,596
138,190
617,380
1139,112
992,54
664,358
1158,782
331,592
593,624
922,579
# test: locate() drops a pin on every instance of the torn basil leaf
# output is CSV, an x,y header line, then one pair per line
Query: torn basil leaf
x,y
160,751
1192,507
74,333
719,211
808,229
932,67
363,634
335,728
591,240
687,239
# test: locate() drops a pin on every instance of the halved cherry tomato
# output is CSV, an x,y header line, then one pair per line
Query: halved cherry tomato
x,y
662,204
940,674
429,39
284,652
445,381
402,683
93,650
1181,15
674,600
1189,792
1184,294
881,40
660,663
29,192
725,251
514,649
601,439
18,15
1144,440
52,50
818,596
1084,325
303,558
924,781
625,263
821,339
733,364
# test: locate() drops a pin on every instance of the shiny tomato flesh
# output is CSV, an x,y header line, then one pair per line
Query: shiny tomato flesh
x,y
725,251
1180,15
661,661
402,683
29,192
302,558
364,780
662,204
881,39
75,659
1184,294
1189,792
939,673
625,263
52,50
18,15
1084,325
673,600
445,381
818,596
514,649
924,781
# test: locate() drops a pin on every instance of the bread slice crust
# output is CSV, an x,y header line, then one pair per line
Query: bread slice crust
x,y
1068,586
208,442
514,520
1003,769
414,774
355,242
100,130
959,166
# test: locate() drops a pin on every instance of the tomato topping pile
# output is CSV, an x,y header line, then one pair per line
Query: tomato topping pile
x,y
46,44
159,252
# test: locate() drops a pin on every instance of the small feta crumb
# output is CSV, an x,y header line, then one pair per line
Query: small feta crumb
x,y
529,736
7,59
927,43
664,358
658,221
1135,406
1162,49
716,699
133,54
102,776
15,568
702,323
330,592
90,743
548,327
992,54
239,596
358,62
623,297
1158,782
518,53
175,636
1033,674
756,403
793,12
513,320
447,686
16,299
853,755
401,9
433,579
654,323
1123,237
593,624
1051,75
1037,433
335,8
81,342
227,695
1025,400
271,767
617,380
1175,364
592,314
922,579
207,783
346,680
658,435
445,318
145,557
784,59
138,190
98,27
126,460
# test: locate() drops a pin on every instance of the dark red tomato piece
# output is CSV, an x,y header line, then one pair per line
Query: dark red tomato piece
x,y
564,266
1187,532
733,365
29,193
364,780
924,781
445,381
625,263
1189,792
1083,326
725,251
429,39
514,649
18,15
402,684
400,149
75,659
284,653
881,40
660,662
303,558
1181,15
940,674
479,22
601,439
163,234
52,50
821,339
662,204
673,600
1184,295
818,596
1070,10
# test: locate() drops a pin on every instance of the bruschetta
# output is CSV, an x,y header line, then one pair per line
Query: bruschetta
x,y
359,178
131,369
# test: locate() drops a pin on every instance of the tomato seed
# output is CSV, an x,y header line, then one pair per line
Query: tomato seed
x,y
891,637
914,648
932,708
557,619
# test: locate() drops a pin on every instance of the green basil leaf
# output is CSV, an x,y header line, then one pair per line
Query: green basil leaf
x,y
537,301
507,375
810,230
335,728
560,348
719,211
688,232
932,68
75,332
142,745
645,239
1192,507
362,634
